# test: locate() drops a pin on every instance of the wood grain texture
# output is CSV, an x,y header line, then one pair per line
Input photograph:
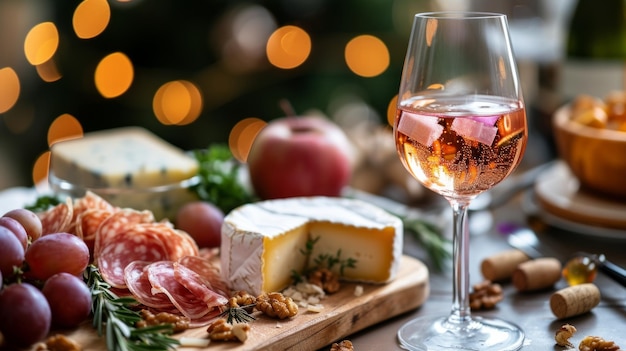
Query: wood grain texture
x,y
343,314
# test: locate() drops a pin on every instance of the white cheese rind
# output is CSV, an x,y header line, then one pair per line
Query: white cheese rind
x,y
248,229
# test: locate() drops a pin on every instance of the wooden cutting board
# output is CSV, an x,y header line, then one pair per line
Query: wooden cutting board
x,y
343,314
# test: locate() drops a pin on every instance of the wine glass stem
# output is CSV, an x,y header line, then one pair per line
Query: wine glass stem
x,y
460,284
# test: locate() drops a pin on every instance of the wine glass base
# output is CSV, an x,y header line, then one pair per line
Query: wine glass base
x,y
480,334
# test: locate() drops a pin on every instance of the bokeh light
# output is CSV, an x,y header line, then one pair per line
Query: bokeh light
x,y
48,71
288,47
367,56
114,75
64,127
241,37
9,88
40,170
41,43
242,136
177,102
91,18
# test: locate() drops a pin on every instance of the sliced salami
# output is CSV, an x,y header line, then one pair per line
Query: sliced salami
x,y
178,244
209,272
88,221
136,278
161,276
57,219
119,222
199,287
131,245
91,201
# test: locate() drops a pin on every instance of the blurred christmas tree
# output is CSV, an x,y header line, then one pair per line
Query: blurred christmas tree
x,y
219,45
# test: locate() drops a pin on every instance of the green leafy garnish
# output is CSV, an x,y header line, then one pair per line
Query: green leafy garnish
x,y
115,314
43,203
220,181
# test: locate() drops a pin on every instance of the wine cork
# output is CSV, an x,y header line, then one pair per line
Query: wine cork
x,y
574,300
501,266
537,274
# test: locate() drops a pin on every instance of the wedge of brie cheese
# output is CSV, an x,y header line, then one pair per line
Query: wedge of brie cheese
x,y
263,243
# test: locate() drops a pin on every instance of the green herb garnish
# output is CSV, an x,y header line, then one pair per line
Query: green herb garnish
x,y
439,248
238,314
322,261
43,203
220,181
115,314
329,261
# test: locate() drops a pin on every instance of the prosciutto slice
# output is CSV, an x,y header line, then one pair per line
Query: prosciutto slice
x,y
162,279
198,286
207,271
136,278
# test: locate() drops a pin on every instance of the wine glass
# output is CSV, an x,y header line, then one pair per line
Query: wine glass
x,y
460,129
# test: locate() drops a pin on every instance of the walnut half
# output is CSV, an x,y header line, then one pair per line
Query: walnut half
x,y
563,334
485,295
220,330
596,343
276,305
345,345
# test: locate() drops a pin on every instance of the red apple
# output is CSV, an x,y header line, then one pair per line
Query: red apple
x,y
300,156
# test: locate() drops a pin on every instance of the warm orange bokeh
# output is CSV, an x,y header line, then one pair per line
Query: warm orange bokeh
x,y
91,18
64,127
288,47
41,43
367,56
9,88
242,136
177,102
114,75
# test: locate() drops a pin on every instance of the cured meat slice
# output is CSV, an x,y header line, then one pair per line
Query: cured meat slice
x,y
91,201
88,221
131,245
177,243
161,276
136,278
119,222
57,219
199,287
209,272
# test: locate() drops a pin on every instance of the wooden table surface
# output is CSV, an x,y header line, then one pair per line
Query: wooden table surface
x,y
531,311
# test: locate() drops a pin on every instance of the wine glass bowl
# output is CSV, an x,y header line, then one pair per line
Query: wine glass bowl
x,y
460,129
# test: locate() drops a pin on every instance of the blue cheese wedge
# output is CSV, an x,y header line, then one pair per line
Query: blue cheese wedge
x,y
263,242
130,167
130,157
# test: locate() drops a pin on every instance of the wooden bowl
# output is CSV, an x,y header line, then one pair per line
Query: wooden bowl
x,y
596,157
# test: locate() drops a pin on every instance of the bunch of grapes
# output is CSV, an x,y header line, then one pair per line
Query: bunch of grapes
x,y
41,283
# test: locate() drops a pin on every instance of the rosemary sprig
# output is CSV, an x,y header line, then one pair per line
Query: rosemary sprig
x,y
436,245
113,317
329,261
238,314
